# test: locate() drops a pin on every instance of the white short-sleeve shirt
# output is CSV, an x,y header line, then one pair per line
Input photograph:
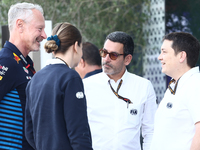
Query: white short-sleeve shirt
x,y
177,114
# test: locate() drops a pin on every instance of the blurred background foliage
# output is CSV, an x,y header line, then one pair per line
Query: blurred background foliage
x,y
95,19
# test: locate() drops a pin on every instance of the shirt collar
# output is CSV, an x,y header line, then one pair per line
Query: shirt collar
x,y
93,73
54,61
123,77
18,54
187,75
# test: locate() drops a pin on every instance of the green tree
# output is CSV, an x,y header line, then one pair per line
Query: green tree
x,y
95,19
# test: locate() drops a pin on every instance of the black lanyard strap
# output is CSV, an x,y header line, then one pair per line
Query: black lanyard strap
x,y
128,101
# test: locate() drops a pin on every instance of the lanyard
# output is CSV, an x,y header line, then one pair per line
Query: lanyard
x,y
62,61
28,65
128,101
173,91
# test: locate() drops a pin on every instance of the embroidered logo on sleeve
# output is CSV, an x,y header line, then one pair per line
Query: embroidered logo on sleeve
x,y
1,78
79,95
16,58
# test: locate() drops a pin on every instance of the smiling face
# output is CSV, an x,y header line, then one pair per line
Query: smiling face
x,y
33,31
169,60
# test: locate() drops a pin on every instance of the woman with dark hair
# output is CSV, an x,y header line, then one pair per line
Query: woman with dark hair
x,y
56,116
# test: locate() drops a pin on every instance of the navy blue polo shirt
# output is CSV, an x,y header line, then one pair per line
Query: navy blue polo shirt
x,y
15,72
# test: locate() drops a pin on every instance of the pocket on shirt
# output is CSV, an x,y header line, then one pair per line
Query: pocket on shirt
x,y
133,116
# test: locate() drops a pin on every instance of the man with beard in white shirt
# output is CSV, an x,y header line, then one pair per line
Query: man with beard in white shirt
x,y
119,103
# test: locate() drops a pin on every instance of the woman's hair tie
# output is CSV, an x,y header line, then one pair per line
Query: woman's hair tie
x,y
55,38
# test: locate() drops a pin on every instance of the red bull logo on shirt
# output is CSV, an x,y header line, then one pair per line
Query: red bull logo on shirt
x,y
16,58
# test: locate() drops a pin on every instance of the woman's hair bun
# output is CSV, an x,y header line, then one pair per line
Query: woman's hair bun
x,y
50,46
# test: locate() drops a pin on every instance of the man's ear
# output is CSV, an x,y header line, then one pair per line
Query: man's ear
x,y
20,25
128,59
182,56
82,63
